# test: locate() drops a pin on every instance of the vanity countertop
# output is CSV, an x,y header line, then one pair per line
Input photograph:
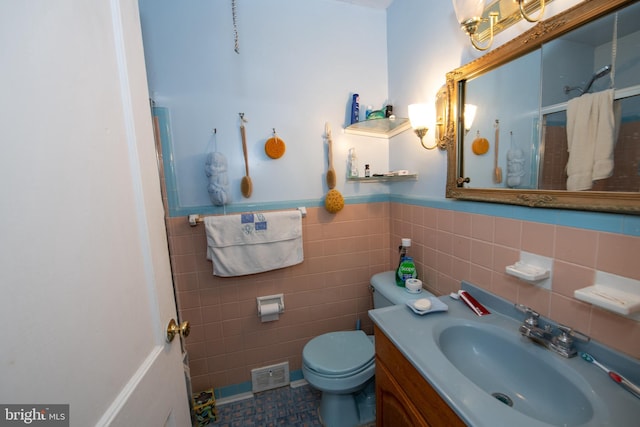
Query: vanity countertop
x,y
416,337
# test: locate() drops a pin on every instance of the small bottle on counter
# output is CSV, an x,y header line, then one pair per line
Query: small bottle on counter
x,y
353,163
388,111
367,171
367,112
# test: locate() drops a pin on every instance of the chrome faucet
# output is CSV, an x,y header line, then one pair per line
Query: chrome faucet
x,y
560,342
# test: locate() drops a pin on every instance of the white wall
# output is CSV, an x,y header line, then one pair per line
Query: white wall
x,y
84,270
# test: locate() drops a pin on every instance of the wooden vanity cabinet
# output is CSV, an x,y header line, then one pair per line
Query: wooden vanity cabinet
x,y
396,380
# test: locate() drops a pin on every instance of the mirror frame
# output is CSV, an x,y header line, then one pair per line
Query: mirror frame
x,y
542,32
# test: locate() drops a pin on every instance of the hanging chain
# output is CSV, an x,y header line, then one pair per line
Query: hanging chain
x,y
235,26
614,52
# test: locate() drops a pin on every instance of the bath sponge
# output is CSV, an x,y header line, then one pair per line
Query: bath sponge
x,y
216,171
275,147
480,145
334,201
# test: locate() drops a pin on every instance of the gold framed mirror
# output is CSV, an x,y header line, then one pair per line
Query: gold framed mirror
x,y
459,82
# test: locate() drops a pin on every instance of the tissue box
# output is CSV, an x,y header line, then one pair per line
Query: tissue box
x,y
204,408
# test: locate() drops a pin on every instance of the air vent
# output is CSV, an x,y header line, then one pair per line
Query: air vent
x,y
269,377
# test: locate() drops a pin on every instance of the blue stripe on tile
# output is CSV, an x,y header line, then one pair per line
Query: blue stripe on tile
x,y
597,221
233,390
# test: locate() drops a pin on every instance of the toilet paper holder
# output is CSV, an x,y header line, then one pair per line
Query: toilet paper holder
x,y
269,300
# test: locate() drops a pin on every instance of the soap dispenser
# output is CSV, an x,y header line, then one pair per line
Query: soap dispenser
x,y
406,267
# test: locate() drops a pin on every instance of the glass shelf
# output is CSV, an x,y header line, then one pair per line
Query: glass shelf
x,y
385,178
379,128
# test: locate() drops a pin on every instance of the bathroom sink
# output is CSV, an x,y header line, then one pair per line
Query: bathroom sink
x,y
490,375
503,367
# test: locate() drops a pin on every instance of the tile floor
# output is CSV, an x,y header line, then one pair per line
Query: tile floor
x,y
284,406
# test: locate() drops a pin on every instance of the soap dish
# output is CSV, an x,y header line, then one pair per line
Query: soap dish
x,y
618,294
436,305
527,272
609,298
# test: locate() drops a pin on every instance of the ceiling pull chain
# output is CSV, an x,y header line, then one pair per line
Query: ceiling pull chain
x,y
235,27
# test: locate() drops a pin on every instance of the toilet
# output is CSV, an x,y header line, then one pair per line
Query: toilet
x,y
342,364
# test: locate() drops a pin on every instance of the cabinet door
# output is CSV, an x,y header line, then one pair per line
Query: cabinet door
x,y
400,380
393,408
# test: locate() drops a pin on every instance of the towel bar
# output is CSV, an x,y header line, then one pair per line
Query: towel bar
x,y
195,219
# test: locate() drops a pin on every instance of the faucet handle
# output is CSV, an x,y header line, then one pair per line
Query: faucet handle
x,y
567,334
563,343
532,315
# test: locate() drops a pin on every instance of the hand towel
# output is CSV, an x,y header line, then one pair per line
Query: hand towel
x,y
252,243
590,138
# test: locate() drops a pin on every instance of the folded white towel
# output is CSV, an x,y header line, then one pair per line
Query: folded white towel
x,y
591,134
253,242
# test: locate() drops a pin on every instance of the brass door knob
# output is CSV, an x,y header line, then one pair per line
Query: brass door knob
x,y
173,328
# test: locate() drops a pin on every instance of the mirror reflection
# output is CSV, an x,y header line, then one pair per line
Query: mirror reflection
x,y
565,116
507,122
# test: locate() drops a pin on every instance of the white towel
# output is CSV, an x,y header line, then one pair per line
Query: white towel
x,y
591,134
253,242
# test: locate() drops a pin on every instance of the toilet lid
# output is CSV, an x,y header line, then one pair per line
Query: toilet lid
x,y
338,353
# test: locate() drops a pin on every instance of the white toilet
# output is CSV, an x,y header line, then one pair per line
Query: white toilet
x,y
341,364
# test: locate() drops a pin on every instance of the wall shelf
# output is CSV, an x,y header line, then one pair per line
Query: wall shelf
x,y
385,178
379,128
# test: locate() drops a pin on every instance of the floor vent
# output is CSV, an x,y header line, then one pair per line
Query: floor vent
x,y
269,377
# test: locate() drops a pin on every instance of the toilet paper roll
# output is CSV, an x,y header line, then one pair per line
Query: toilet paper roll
x,y
269,312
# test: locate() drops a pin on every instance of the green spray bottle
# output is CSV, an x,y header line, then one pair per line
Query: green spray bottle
x,y
406,267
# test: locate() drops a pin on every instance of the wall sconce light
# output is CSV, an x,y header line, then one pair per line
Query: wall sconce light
x,y
469,15
469,116
419,116
442,115
524,13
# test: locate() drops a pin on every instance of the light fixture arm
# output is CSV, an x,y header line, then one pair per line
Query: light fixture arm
x,y
422,132
419,116
524,14
471,29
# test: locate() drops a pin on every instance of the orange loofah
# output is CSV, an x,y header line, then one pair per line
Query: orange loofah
x,y
275,147
480,146
334,201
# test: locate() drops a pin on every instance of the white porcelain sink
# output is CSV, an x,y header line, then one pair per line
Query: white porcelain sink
x,y
504,368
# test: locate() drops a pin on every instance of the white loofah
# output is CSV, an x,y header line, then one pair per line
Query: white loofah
x,y
216,170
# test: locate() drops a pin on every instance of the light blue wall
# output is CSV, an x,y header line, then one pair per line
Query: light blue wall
x,y
298,64
425,43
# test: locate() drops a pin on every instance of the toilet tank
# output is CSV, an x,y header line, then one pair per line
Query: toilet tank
x,y
386,293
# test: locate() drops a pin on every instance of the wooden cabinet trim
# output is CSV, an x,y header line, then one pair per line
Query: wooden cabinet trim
x,y
424,399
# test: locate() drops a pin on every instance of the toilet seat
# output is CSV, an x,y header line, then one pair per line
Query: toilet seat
x,y
339,354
